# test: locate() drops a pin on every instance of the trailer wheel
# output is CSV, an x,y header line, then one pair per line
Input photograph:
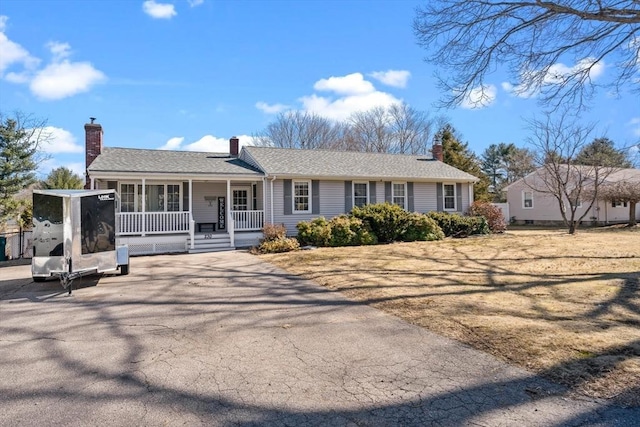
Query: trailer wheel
x,y
124,269
39,279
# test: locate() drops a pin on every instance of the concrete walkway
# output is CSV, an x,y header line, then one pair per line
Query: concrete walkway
x,y
225,339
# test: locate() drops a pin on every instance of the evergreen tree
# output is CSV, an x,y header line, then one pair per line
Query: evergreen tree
x,y
602,152
63,178
458,155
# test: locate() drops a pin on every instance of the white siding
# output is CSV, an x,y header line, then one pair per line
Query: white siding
x,y
465,198
331,204
202,212
425,198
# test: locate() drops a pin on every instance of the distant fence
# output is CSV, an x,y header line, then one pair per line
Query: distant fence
x,y
19,244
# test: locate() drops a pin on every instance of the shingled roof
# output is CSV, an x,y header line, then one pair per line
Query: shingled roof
x,y
163,161
352,164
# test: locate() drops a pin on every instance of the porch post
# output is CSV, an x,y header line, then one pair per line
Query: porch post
x,y
230,224
144,207
192,226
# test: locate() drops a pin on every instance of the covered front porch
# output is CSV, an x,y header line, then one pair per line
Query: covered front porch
x,y
192,215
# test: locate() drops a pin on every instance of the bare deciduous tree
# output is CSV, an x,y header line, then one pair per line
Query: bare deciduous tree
x,y
626,189
470,39
558,141
297,129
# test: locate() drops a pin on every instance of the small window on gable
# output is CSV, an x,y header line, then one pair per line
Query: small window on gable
x,y
301,196
399,193
449,197
360,193
527,199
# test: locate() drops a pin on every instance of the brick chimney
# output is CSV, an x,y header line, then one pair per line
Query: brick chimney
x,y
234,146
437,153
93,146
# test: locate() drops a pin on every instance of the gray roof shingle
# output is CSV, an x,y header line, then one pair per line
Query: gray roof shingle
x,y
161,161
352,164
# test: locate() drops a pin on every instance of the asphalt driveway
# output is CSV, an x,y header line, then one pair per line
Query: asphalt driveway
x,y
225,339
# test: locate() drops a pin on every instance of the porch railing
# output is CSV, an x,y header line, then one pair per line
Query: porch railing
x,y
248,220
141,223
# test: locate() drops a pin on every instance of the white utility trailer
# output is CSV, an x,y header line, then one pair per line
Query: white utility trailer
x,y
74,234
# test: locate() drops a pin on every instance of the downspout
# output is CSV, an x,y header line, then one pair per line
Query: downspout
x,y
271,198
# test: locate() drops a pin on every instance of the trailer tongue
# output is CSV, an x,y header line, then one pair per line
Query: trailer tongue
x,y
75,235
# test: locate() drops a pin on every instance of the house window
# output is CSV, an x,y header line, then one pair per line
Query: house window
x,y
360,194
449,196
240,200
527,199
301,196
173,198
127,197
618,204
399,193
154,198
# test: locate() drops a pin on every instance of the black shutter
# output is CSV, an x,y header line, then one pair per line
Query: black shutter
x,y
459,197
348,199
387,192
410,207
315,197
288,202
439,202
372,192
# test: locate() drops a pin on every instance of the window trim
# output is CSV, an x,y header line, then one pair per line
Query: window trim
x,y
393,193
137,194
618,204
293,196
353,192
524,194
455,197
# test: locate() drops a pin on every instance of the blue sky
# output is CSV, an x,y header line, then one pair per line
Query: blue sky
x,y
189,74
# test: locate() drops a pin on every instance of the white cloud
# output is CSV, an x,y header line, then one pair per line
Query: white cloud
x,y
57,140
555,75
271,108
342,108
395,78
173,143
159,10
13,53
479,97
58,79
64,79
351,84
208,143
194,3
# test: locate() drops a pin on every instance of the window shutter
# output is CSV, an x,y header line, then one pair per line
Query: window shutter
x,y
348,200
288,201
372,191
613,204
410,196
439,201
459,197
387,192
315,197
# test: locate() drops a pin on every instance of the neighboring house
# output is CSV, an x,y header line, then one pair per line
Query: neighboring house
x,y
174,201
528,206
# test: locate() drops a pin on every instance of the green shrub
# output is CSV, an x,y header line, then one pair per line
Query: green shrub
x,y
421,227
387,221
350,231
285,244
493,215
316,232
456,225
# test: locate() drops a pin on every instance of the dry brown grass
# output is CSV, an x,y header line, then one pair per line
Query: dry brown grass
x,y
567,307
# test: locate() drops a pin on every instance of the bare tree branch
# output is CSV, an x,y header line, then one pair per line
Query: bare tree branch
x,y
470,39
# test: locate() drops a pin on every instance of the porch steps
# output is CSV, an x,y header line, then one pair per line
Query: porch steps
x,y
214,242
